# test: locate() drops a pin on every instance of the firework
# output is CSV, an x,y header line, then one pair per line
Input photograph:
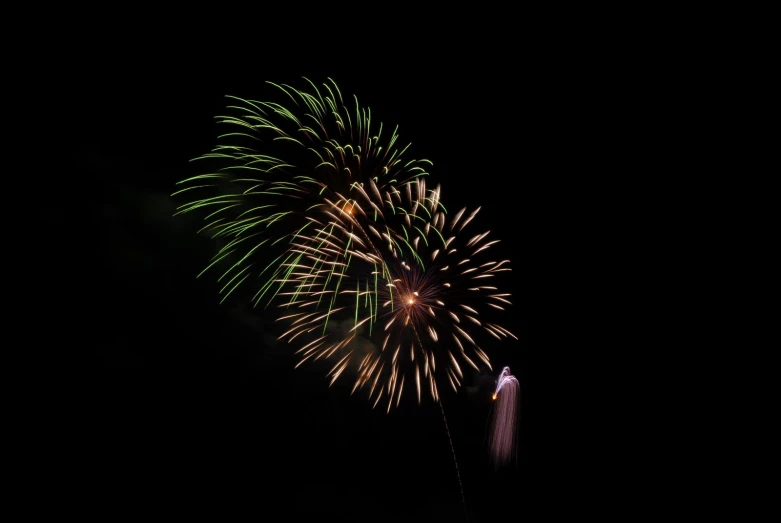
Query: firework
x,y
504,419
415,307
282,184
316,210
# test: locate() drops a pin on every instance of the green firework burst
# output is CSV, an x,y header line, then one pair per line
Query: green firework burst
x,y
283,178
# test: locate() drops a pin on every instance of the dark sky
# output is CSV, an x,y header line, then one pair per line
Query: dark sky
x,y
191,402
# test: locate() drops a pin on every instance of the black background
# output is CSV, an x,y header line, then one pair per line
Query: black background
x,y
189,406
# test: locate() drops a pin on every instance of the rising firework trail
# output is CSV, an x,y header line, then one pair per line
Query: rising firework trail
x,y
504,419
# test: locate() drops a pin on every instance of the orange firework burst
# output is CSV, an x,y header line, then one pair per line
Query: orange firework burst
x,y
416,306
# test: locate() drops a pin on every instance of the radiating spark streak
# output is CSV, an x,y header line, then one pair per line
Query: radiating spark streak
x,y
341,369
458,342
312,353
457,217
376,401
316,342
401,388
376,379
472,319
452,383
468,360
483,356
471,217
470,309
505,331
464,334
484,247
492,333
455,364
476,239
417,381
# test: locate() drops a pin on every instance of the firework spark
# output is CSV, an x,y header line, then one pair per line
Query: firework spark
x,y
504,419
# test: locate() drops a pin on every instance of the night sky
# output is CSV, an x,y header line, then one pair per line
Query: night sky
x,y
193,406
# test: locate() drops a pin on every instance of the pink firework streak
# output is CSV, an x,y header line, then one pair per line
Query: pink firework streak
x,y
504,422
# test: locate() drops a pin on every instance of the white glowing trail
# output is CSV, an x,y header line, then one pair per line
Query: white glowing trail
x,y
504,420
